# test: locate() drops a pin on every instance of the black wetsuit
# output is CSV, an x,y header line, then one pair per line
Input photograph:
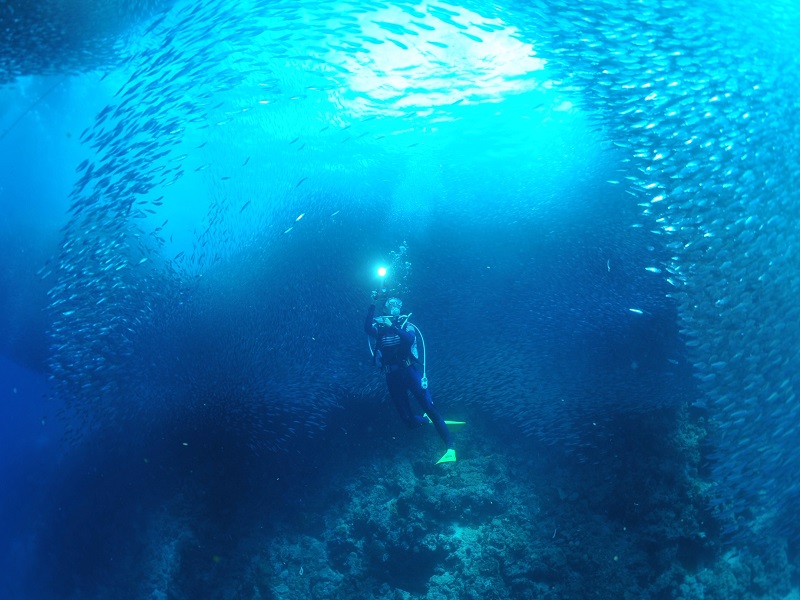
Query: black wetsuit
x,y
393,348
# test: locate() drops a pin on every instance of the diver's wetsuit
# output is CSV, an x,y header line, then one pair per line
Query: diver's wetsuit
x,y
393,346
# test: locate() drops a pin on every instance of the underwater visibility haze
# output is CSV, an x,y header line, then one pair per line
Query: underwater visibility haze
x,y
589,210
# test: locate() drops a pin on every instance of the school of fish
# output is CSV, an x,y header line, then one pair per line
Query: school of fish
x,y
700,99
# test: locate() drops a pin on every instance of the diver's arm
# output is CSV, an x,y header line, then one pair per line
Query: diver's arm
x,y
407,336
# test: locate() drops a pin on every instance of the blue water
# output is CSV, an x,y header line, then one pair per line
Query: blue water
x,y
587,210
31,451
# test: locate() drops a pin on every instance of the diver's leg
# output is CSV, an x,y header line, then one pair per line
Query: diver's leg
x,y
397,391
423,396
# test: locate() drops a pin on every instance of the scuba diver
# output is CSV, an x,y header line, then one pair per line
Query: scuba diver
x,y
396,354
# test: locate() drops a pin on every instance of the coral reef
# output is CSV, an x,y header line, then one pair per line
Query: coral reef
x,y
509,520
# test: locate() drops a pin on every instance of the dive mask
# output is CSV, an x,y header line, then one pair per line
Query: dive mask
x,y
394,305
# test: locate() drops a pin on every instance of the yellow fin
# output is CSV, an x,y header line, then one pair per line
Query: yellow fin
x,y
449,456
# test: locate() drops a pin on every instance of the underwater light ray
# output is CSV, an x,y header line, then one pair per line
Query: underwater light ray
x,y
714,165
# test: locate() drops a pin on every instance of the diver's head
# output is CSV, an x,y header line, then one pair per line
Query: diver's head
x,y
393,306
